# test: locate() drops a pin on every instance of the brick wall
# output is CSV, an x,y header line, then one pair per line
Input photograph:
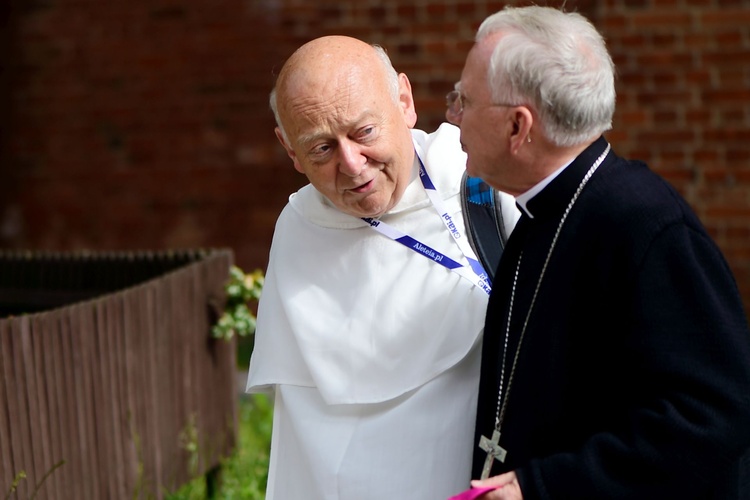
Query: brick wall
x,y
145,124
684,106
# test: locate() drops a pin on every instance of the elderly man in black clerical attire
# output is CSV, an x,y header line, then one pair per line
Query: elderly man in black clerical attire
x,y
616,357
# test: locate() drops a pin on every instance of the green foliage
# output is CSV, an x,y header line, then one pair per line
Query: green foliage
x,y
189,442
237,318
244,474
140,478
22,475
245,347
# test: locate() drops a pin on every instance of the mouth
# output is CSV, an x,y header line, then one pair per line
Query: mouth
x,y
363,188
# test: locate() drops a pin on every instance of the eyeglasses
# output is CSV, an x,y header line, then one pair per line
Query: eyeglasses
x,y
455,102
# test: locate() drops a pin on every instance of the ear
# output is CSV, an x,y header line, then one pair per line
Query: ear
x,y
522,122
289,151
406,100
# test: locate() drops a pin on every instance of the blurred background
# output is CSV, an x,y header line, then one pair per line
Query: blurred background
x,y
144,124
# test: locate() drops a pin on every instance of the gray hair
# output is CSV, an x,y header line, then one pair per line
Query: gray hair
x,y
558,63
390,72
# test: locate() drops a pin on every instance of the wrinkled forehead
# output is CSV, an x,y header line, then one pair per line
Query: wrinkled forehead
x,y
330,101
321,63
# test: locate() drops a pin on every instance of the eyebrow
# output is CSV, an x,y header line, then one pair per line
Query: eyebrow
x,y
306,139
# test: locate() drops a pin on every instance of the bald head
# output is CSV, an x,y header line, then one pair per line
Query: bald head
x,y
330,63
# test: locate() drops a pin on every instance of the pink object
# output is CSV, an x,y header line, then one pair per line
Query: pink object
x,y
472,493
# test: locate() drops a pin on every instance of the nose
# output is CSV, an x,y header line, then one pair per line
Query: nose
x,y
453,117
351,159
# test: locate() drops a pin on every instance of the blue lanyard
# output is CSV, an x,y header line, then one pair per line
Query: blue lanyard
x,y
474,272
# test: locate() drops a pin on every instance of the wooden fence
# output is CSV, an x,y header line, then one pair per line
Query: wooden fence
x,y
113,394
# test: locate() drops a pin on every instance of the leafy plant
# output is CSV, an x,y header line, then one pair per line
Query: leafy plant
x,y
241,289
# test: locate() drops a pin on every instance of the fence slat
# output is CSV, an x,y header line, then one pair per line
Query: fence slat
x,y
115,364
136,390
101,392
182,412
80,327
195,355
35,411
54,355
153,324
66,367
7,469
20,418
42,415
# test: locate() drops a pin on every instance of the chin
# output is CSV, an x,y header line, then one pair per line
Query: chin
x,y
370,207
372,213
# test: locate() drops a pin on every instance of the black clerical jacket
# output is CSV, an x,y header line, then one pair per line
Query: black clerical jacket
x,y
633,379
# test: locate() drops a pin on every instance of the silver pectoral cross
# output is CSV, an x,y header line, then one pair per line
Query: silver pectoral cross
x,y
494,451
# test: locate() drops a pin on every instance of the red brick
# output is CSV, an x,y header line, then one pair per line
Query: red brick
x,y
721,18
664,58
672,18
